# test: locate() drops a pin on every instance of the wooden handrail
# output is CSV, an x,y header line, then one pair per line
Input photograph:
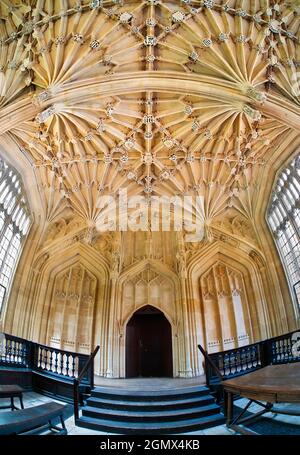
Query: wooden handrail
x,y
223,365
76,384
87,364
256,343
211,363
30,354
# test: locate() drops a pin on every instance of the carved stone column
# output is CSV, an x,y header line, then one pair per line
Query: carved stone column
x,y
112,349
34,329
182,272
270,322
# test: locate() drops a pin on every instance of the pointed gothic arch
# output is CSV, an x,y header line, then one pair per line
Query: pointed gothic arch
x,y
148,344
83,300
146,276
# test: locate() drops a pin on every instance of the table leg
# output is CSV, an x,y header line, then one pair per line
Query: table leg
x,y
225,397
63,423
229,408
12,404
21,401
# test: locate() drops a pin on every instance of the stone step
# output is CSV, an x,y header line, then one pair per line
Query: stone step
x,y
143,415
148,395
126,411
180,403
170,427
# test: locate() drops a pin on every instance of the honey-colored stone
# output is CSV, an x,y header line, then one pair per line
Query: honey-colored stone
x,y
96,99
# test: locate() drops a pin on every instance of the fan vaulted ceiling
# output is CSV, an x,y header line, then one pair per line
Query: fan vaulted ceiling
x,y
161,97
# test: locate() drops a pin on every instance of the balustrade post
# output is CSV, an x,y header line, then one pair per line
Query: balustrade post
x,y
56,362
207,372
81,363
265,353
73,366
67,364
92,375
76,399
30,355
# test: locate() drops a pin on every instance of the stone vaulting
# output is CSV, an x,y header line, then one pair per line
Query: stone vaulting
x,y
166,98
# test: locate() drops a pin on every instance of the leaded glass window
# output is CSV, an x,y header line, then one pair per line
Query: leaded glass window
x,y
284,221
15,221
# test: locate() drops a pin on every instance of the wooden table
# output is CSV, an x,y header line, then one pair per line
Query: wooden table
x,y
12,391
272,384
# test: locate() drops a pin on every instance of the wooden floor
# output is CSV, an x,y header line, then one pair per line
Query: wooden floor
x,y
150,384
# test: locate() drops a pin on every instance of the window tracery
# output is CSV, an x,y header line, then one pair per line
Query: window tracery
x,y
15,221
284,221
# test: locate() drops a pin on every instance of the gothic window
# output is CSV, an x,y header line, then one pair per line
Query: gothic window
x,y
15,221
284,221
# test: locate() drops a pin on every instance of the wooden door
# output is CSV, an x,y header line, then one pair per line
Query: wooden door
x,y
149,344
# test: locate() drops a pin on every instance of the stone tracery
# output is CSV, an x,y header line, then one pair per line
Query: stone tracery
x,y
283,217
162,98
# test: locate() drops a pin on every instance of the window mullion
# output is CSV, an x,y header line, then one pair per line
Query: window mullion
x,y
2,263
283,210
14,206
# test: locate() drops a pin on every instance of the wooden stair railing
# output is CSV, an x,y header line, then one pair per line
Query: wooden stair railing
x,y
210,362
89,365
19,353
218,389
230,363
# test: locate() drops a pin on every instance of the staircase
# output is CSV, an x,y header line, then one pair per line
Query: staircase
x,y
150,412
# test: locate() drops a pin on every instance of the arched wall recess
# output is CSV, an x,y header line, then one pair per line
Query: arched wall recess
x,y
225,308
257,310
148,282
67,299
70,325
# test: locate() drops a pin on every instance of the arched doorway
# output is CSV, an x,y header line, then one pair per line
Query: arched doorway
x,y
148,344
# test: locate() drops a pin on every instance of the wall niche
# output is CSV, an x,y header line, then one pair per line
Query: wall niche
x,y
72,306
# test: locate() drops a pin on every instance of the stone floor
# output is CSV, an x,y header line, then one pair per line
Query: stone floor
x,y
33,399
293,420
149,383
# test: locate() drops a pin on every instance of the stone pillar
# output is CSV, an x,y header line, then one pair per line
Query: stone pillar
x,y
182,272
112,349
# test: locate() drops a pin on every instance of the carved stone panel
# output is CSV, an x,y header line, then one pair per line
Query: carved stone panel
x,y
225,307
72,305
